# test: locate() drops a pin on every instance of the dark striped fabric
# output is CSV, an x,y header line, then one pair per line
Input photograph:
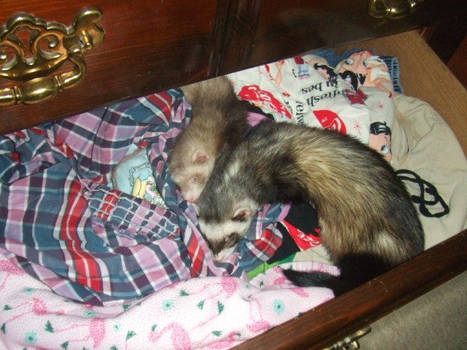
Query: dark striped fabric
x,y
88,242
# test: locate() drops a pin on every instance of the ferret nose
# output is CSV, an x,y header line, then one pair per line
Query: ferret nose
x,y
190,198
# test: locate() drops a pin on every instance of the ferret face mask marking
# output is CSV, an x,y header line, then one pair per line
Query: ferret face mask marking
x,y
223,236
222,225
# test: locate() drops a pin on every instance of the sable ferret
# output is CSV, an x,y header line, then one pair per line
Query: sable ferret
x,y
367,220
218,121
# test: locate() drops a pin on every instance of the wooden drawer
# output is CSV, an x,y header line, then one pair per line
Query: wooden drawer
x,y
152,46
426,77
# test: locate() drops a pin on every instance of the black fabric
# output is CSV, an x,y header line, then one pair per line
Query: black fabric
x,y
428,196
305,218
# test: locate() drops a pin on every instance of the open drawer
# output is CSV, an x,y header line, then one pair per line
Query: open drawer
x,y
423,76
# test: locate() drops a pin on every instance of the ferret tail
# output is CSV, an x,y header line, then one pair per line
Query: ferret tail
x,y
356,269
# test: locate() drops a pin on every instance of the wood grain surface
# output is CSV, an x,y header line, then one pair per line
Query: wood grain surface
x,y
151,46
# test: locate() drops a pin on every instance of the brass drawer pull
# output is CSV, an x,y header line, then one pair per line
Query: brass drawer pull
x,y
392,9
350,342
32,51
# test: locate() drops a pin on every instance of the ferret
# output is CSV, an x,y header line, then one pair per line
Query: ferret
x,y
368,223
219,121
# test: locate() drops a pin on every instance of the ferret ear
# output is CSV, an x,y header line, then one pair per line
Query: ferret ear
x,y
200,157
242,214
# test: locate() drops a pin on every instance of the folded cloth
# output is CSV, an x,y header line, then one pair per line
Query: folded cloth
x,y
426,146
369,76
134,175
354,97
306,90
200,313
88,242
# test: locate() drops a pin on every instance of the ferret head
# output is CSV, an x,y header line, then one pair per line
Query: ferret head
x,y
225,211
191,173
224,231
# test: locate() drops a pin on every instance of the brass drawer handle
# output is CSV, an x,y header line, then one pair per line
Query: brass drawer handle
x,y
392,9
32,52
350,342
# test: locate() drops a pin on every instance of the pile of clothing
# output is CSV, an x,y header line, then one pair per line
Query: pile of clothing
x,y
92,228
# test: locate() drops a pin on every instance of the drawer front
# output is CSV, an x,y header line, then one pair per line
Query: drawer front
x,y
151,46
276,29
148,46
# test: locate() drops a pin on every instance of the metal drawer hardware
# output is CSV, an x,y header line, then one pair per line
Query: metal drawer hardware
x,y
32,51
350,342
392,9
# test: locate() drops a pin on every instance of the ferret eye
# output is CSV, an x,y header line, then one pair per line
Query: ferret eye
x,y
195,179
240,217
231,240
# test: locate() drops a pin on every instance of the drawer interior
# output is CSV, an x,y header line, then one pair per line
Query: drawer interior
x,y
423,76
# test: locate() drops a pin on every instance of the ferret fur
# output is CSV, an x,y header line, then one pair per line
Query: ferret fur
x,y
218,121
368,223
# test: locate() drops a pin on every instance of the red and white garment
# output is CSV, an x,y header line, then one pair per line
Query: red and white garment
x,y
306,90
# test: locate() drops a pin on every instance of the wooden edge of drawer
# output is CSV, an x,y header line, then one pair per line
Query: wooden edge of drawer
x,y
333,320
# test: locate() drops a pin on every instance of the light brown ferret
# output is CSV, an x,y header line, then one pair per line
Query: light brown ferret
x,y
219,121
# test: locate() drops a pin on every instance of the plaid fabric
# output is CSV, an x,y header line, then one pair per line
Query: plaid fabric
x,y
88,242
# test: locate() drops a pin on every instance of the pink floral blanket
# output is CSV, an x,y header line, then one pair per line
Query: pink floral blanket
x,y
201,313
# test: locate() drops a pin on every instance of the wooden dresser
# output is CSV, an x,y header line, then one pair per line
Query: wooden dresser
x,y
150,46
